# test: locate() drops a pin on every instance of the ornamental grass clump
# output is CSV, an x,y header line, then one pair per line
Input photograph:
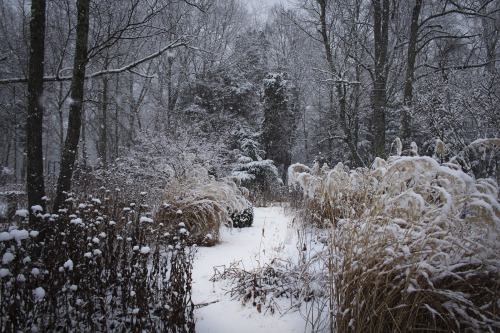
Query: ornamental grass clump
x,y
201,202
413,245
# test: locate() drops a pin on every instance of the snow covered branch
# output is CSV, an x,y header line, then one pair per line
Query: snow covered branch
x,y
182,41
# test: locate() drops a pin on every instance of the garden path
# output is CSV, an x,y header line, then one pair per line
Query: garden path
x,y
268,238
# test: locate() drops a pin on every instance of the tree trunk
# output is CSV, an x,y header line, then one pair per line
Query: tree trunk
x,y
75,109
340,87
34,124
103,136
491,34
410,72
381,38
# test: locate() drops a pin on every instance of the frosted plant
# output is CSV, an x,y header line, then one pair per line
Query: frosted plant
x,y
415,244
200,201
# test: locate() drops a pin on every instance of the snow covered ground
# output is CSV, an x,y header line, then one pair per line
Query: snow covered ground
x,y
270,236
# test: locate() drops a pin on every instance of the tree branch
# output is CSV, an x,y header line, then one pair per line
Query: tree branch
x,y
179,42
461,67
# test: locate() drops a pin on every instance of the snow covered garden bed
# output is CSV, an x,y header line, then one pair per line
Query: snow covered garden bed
x,y
97,266
412,244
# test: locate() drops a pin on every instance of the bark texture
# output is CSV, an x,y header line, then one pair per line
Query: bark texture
x,y
75,109
34,125
381,38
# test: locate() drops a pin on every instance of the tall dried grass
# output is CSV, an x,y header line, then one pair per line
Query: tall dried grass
x,y
200,201
413,246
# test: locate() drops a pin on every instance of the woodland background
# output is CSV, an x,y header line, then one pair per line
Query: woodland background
x,y
248,95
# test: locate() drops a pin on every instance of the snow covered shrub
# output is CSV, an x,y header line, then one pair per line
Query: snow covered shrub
x,y
258,175
98,266
242,219
413,245
200,202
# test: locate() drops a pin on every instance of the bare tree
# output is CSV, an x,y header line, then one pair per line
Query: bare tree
x,y
34,123
75,113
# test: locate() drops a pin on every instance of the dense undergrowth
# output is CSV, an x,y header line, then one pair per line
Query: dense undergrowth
x,y
119,256
97,266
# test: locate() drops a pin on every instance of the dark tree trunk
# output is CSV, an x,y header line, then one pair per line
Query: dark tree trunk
x,y
381,38
34,129
75,109
340,87
102,146
410,73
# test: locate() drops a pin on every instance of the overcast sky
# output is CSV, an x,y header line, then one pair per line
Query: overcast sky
x,y
262,6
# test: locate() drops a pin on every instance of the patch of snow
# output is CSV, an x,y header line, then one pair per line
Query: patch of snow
x,y
39,293
36,208
69,264
7,258
76,221
22,213
4,272
5,236
19,235
146,219
145,249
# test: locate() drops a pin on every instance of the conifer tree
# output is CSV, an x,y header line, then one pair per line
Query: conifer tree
x,y
277,129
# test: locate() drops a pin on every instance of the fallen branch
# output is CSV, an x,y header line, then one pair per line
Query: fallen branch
x,y
201,305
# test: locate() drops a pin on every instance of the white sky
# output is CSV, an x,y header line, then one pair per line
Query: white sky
x,y
262,6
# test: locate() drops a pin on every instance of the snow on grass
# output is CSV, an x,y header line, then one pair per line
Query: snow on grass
x,y
250,247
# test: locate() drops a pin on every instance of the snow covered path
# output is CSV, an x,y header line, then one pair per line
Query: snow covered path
x,y
265,240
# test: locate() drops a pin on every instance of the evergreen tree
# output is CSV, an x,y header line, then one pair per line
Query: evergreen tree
x,y
260,176
278,126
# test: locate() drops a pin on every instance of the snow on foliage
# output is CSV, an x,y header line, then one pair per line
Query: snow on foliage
x,y
39,293
421,236
203,201
260,176
22,213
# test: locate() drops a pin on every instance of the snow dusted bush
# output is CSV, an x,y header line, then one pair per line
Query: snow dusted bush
x,y
413,245
260,176
200,202
97,266
242,219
